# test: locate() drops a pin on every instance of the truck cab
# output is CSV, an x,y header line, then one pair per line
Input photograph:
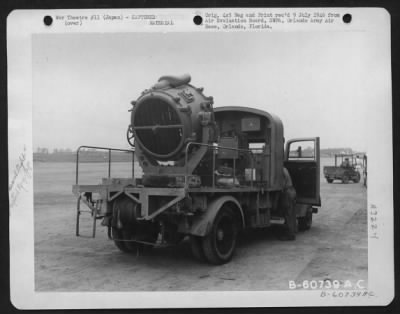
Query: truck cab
x,y
262,134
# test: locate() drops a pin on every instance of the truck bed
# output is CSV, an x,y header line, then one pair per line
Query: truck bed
x,y
333,171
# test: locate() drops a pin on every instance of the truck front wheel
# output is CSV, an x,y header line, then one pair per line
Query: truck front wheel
x,y
219,245
305,222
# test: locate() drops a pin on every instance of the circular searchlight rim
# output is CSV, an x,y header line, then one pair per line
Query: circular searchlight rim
x,y
165,97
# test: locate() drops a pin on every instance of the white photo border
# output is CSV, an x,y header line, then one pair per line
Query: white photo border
x,y
23,24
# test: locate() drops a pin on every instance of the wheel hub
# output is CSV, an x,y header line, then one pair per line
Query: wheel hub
x,y
220,234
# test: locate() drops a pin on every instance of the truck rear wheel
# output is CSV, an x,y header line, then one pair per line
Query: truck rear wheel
x,y
329,180
357,178
124,246
131,246
219,245
124,212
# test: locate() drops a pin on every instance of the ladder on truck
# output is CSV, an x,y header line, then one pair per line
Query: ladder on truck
x,y
94,211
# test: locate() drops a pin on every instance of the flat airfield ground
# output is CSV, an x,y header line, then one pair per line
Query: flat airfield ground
x,y
335,248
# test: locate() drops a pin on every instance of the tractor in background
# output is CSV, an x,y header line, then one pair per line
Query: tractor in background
x,y
346,169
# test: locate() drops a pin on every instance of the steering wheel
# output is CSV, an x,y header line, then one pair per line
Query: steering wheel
x,y
130,136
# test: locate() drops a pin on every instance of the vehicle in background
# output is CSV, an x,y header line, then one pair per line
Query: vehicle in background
x,y
345,169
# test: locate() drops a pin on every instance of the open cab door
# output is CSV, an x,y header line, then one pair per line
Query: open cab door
x,y
302,160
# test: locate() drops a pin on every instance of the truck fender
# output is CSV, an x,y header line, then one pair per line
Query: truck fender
x,y
301,209
201,226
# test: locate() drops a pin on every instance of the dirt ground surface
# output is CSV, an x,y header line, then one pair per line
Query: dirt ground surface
x,y
335,248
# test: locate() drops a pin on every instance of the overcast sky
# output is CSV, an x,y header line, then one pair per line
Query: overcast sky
x,y
83,84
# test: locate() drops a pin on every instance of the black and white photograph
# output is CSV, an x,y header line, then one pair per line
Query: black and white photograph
x,y
208,158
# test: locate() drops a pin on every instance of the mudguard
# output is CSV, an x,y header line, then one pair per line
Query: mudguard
x,y
301,209
202,225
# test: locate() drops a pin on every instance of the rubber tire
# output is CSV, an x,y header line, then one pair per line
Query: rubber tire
x,y
357,179
345,180
126,234
329,180
305,222
197,248
126,247
209,242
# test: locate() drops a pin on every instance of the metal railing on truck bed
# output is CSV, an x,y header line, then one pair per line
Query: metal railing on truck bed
x,y
109,159
94,206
